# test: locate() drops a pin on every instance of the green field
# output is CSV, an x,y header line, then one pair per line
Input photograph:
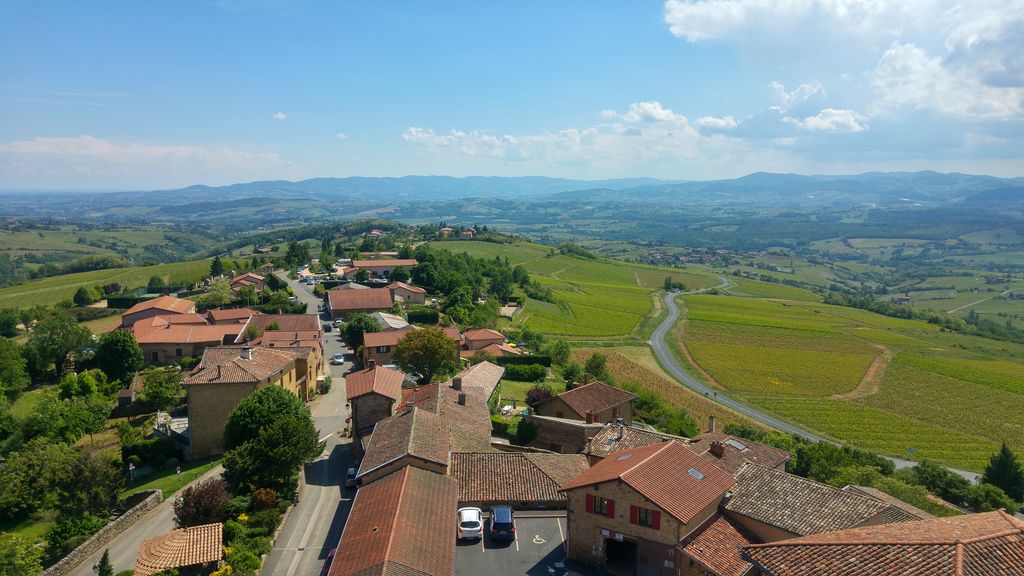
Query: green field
x,y
51,290
950,397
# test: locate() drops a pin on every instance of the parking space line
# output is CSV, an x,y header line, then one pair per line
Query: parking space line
x,y
517,544
561,534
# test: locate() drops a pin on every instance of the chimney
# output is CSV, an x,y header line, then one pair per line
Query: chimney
x,y
717,449
247,353
462,398
218,371
618,433
457,383
408,407
371,364
590,417
711,423
586,379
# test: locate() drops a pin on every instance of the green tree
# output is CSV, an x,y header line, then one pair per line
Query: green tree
x,y
520,276
19,556
405,252
216,267
162,389
989,497
105,568
274,454
250,333
13,377
259,410
119,355
9,322
90,486
29,476
501,284
400,274
1004,471
202,503
83,296
362,275
597,368
571,374
218,294
429,352
356,326
558,350
53,339
155,284
247,294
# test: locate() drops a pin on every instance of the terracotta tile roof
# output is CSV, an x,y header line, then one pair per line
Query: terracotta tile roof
x,y
287,322
389,321
390,263
404,286
167,303
796,504
381,380
988,544
422,397
484,375
188,334
483,334
615,437
419,434
400,525
247,276
487,477
900,510
737,451
389,338
279,338
220,315
453,333
180,548
470,423
225,364
372,299
492,349
668,474
718,547
596,397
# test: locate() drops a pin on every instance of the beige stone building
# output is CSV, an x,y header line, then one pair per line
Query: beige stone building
x,y
593,402
416,438
223,378
407,294
372,394
160,306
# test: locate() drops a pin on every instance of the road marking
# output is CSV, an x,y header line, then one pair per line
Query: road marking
x,y
324,438
538,540
517,544
313,521
560,533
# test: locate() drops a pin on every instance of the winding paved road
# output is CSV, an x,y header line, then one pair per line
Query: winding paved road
x,y
659,345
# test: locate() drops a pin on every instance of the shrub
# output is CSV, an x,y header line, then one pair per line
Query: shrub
x,y
266,519
237,506
526,373
232,531
263,499
66,533
423,315
499,425
244,562
527,359
537,394
204,503
152,452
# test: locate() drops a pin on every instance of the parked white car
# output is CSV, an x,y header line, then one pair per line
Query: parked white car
x,y
470,523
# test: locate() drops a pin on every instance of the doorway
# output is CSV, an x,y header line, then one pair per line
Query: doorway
x,y
620,557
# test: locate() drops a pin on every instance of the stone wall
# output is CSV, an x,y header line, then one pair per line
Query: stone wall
x,y
562,436
100,539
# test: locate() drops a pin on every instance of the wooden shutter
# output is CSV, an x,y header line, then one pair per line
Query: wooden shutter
x,y
656,520
610,507
632,514
590,502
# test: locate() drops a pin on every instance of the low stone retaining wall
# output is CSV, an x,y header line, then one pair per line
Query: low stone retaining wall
x,y
104,536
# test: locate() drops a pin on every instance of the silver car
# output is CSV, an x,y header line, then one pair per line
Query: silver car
x,y
470,523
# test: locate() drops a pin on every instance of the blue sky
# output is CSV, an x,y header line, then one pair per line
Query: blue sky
x,y
109,95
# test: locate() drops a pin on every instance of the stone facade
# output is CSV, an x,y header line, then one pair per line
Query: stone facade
x,y
561,436
161,353
209,406
369,409
99,540
558,408
407,460
590,534
408,296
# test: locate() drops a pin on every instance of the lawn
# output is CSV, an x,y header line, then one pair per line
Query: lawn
x,y
30,528
26,403
168,481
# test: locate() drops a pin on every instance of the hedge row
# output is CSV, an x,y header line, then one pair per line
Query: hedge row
x,y
526,373
423,315
523,360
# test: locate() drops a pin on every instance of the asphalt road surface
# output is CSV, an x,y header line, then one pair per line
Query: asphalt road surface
x,y
665,357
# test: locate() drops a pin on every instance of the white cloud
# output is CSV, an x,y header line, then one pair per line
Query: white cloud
x,y
652,112
786,100
717,123
906,75
830,120
87,161
341,136
280,116
608,114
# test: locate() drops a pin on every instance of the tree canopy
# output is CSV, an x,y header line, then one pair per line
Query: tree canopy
x,y
119,355
161,389
1004,471
13,377
52,339
429,352
259,410
356,325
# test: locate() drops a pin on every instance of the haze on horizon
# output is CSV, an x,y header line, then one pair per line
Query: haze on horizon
x,y
125,95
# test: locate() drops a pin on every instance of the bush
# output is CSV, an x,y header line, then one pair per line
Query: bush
x,y
500,426
526,373
423,315
204,503
66,533
243,562
237,506
152,452
527,359
537,394
266,519
263,499
232,531
522,432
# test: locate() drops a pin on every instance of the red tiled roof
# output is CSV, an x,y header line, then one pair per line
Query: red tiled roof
x,y
483,334
419,434
389,338
230,314
246,276
486,477
900,512
287,322
453,333
167,303
616,437
180,548
988,544
381,380
394,262
797,505
400,525
737,451
225,364
484,375
492,349
470,422
188,334
404,286
422,397
668,474
596,397
278,338
718,547
371,299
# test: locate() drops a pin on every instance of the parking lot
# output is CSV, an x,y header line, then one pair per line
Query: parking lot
x,y
538,546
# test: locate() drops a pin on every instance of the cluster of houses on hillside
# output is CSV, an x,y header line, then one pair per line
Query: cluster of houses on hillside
x,y
637,501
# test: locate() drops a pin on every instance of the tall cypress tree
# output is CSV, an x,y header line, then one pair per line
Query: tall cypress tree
x,y
1004,471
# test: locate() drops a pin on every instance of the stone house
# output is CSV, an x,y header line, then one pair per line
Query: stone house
x,y
482,338
378,347
629,511
345,303
160,306
407,294
222,379
165,339
593,402
417,438
247,279
372,393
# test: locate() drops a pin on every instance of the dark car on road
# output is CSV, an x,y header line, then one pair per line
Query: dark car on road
x,y
503,523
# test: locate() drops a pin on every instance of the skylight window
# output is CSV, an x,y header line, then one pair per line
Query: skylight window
x,y
696,474
624,457
737,445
